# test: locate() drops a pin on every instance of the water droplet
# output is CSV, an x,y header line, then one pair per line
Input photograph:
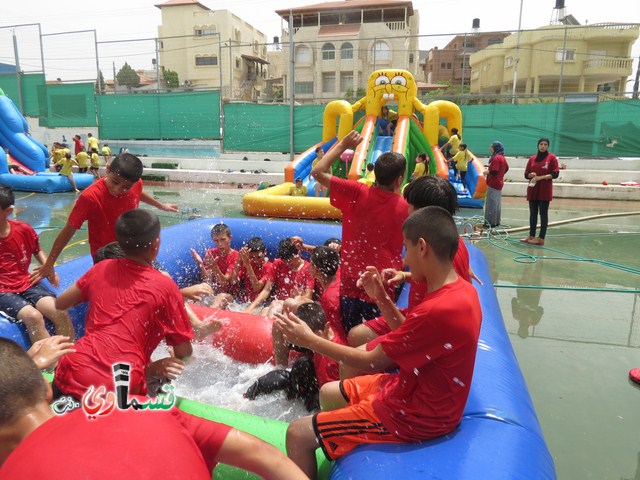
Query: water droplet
x,y
448,346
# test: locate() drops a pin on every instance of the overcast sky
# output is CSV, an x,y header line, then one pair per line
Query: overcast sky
x,y
73,55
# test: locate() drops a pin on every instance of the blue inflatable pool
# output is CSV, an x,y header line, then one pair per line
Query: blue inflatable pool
x,y
45,182
499,436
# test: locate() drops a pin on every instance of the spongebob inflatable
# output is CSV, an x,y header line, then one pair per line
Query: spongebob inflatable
x,y
388,87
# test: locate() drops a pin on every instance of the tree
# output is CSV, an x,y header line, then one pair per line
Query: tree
x,y
128,77
171,78
100,88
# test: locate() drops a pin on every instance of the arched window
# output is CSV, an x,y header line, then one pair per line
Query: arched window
x,y
346,51
380,51
303,54
328,51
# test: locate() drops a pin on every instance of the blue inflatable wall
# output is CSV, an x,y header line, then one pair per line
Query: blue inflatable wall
x,y
499,437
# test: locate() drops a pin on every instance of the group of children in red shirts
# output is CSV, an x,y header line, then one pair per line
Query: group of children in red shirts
x,y
430,346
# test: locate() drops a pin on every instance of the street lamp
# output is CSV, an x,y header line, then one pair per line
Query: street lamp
x,y
515,68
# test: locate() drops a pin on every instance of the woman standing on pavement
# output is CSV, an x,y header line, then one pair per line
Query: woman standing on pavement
x,y
541,169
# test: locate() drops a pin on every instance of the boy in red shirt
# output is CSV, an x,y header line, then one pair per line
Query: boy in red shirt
x,y
421,192
132,308
434,350
19,298
100,205
371,224
253,270
218,265
289,278
35,443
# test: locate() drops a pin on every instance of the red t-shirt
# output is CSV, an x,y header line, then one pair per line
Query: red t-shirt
x,y
262,272
132,308
140,444
78,145
101,209
330,303
543,189
435,349
460,265
498,167
16,250
226,264
327,370
286,280
372,221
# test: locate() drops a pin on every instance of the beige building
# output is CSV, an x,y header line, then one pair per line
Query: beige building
x,y
189,44
337,45
569,58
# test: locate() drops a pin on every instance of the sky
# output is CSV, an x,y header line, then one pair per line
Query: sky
x,y
73,54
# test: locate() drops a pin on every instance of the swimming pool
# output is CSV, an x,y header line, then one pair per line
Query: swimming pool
x,y
578,346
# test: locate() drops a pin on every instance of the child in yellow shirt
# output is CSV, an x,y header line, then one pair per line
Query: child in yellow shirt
x,y
298,190
82,158
66,169
95,163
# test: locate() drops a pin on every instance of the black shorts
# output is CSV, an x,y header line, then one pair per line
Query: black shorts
x,y
12,303
83,169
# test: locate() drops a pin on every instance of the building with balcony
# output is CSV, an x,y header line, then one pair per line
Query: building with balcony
x,y
557,59
451,63
212,49
337,45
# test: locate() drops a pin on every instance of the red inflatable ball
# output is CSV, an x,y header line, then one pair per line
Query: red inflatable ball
x,y
605,182
243,337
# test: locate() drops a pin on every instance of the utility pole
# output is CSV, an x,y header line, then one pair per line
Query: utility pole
x,y
515,67
636,84
292,80
18,72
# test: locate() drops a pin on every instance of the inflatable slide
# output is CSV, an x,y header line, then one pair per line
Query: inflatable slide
x,y
29,158
411,137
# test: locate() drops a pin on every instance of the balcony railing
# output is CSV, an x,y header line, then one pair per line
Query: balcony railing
x,y
395,26
608,63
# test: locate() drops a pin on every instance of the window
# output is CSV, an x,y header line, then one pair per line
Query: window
x,y
303,54
443,65
380,51
494,41
205,31
208,60
236,35
328,82
238,64
411,58
256,47
346,51
303,88
328,52
569,55
508,61
160,44
346,81
448,66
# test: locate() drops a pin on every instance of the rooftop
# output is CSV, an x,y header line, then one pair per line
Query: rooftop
x,y
348,5
180,3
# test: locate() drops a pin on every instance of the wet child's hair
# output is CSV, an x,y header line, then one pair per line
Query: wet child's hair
x,y
7,198
326,260
67,156
312,314
110,250
463,146
422,156
436,227
370,167
21,382
256,244
319,149
431,190
136,230
389,167
126,165
331,240
286,249
298,180
220,229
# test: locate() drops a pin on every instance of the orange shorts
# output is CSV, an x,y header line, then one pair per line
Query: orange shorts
x,y
340,431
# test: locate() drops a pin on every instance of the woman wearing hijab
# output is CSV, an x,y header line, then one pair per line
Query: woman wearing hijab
x,y
498,167
541,169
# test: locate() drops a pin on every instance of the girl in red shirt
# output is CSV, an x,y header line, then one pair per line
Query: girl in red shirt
x,y
541,169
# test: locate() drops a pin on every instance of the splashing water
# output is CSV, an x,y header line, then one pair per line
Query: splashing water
x,y
215,379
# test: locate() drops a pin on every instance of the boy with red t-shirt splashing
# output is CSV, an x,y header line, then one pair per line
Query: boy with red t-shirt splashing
x,y
100,205
371,225
434,351
218,265
289,278
132,308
